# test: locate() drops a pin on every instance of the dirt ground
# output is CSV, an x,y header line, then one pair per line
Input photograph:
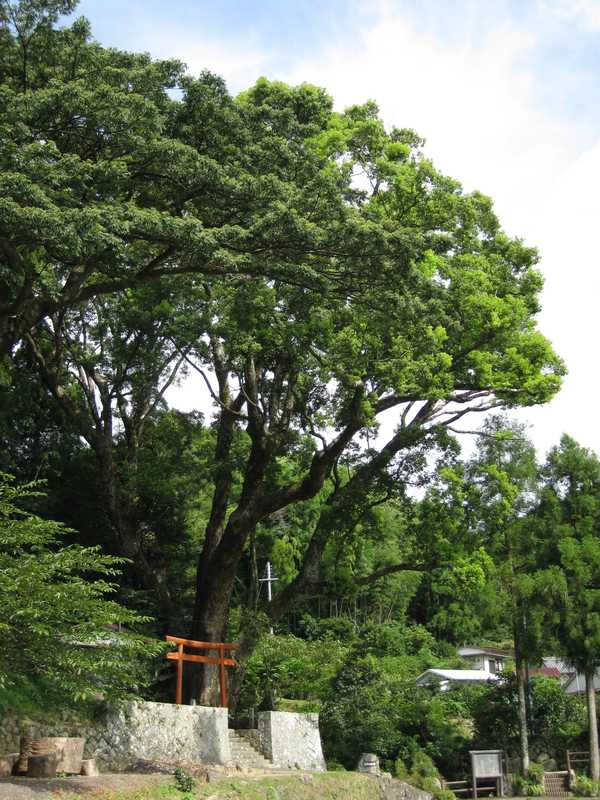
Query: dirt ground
x,y
53,788
223,784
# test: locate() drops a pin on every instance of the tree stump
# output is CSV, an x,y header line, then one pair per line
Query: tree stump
x,y
7,762
25,744
89,767
42,765
68,749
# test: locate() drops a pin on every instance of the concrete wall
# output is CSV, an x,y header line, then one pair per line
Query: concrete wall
x,y
291,741
144,731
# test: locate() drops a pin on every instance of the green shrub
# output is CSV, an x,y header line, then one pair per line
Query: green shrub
x,y
585,787
55,607
423,766
424,775
529,787
286,666
443,794
400,770
536,772
184,781
342,629
335,766
371,711
429,784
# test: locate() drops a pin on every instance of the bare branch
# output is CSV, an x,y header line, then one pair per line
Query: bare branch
x,y
213,394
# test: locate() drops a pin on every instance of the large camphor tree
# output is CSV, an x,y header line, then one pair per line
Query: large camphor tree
x,y
443,327
338,279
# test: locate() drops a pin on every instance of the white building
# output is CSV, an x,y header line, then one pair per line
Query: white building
x,y
486,665
444,679
488,659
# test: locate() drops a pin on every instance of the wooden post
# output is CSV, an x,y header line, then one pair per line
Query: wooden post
x,y
222,678
179,691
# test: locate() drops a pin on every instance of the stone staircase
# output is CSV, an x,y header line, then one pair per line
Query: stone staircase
x,y
244,753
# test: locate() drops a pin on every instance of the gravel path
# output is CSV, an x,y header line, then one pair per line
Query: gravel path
x,y
54,788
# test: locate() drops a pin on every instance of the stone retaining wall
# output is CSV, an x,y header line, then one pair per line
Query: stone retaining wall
x,y
144,731
136,731
13,726
291,741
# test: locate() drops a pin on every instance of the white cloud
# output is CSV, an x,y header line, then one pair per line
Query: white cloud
x,y
239,61
239,65
473,104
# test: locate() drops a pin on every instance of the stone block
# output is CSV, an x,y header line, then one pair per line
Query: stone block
x,y
69,750
42,765
7,763
393,789
89,767
163,732
291,741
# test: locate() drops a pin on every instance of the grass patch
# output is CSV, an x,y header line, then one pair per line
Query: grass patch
x,y
329,786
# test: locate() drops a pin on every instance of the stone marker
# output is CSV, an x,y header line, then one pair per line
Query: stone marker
x,y
369,763
42,765
7,762
69,750
89,768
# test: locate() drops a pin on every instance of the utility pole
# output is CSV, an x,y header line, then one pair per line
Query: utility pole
x,y
269,579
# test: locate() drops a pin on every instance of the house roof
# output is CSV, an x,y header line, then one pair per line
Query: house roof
x,y
458,675
551,672
558,663
472,650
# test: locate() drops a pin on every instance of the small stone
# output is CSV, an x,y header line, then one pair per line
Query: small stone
x,y
89,768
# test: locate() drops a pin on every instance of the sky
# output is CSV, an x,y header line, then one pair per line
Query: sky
x,y
506,94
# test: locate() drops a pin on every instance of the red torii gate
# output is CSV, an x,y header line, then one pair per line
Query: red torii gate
x,y
222,661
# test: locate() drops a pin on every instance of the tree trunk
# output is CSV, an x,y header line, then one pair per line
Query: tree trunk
x,y
522,710
214,586
221,553
590,694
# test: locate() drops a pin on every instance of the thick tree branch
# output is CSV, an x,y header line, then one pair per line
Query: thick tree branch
x,y
390,570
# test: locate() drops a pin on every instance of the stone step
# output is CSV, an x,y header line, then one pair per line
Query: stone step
x,y
244,754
